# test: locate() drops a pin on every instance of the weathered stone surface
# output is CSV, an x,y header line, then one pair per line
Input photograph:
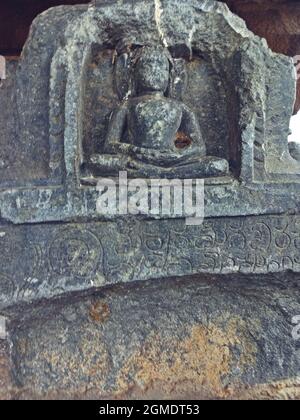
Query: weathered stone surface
x,y
228,99
153,133
6,381
45,261
295,150
248,127
204,337
275,20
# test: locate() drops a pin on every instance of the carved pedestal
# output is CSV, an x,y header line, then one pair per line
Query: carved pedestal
x,y
164,90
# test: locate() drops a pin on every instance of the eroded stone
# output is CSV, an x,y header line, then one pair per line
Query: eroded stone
x,y
220,110
202,337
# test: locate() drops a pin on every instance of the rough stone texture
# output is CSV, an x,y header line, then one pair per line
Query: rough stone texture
x,y
275,20
45,261
6,381
203,337
295,150
16,18
51,85
258,106
154,133
211,336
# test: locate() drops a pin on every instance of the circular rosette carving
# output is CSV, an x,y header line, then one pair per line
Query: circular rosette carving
x,y
206,239
75,252
261,237
154,243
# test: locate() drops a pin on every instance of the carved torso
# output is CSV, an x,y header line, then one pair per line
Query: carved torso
x,y
153,122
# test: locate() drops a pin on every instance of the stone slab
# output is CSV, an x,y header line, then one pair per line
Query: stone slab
x,y
204,337
45,261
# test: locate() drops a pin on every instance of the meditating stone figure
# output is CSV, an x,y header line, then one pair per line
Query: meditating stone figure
x,y
152,135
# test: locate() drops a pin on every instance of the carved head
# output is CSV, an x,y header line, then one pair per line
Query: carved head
x,y
152,70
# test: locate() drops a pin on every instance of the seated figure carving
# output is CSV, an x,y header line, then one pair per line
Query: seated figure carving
x,y
151,135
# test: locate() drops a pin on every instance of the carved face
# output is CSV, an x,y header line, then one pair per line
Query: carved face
x,y
152,71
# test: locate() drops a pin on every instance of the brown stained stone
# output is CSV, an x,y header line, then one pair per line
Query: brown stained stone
x,y
6,385
190,367
99,311
187,339
283,390
206,336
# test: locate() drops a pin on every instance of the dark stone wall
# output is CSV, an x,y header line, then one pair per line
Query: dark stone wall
x,y
276,20
16,17
203,337
206,336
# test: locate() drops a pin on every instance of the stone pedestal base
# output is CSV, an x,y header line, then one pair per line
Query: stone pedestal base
x,y
201,337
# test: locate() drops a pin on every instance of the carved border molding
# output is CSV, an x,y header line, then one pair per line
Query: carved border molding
x,y
44,261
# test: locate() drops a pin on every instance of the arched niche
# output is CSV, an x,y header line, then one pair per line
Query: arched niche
x,y
106,84
255,83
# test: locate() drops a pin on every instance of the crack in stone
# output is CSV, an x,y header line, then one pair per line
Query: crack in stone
x,y
158,14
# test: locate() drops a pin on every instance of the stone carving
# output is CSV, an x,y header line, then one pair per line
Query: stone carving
x,y
61,137
164,136
7,288
295,150
75,252
93,255
150,87
162,89
182,331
